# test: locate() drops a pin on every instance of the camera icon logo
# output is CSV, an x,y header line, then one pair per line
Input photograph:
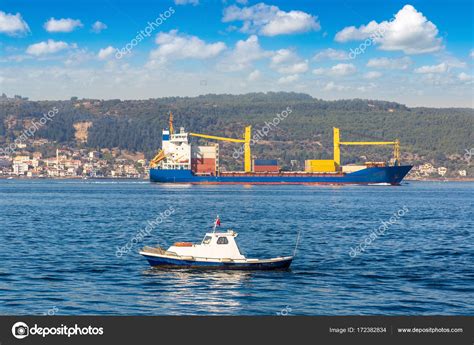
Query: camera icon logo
x,y
20,330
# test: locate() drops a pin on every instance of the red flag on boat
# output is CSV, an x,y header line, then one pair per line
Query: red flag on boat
x,y
218,221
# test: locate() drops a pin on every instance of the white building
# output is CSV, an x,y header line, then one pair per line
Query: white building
x,y
442,171
20,168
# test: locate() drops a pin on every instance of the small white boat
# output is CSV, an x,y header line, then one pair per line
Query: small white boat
x,y
218,250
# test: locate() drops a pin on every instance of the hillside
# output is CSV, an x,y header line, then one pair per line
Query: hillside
x,y
439,136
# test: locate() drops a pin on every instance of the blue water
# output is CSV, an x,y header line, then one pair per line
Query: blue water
x,y
58,242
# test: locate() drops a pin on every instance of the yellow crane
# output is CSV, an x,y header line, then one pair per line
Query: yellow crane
x,y
338,143
245,141
161,154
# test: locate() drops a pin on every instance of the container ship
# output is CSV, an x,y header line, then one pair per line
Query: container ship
x,y
179,161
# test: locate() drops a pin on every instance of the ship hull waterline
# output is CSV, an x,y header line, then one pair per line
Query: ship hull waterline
x,y
392,175
175,263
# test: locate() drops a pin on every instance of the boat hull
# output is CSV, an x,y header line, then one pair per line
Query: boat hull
x,y
168,262
392,175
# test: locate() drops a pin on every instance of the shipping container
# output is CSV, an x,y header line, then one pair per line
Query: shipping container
x,y
266,162
266,168
203,165
320,165
204,152
203,161
352,168
375,164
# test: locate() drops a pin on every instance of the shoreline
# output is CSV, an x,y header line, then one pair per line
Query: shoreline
x,y
447,179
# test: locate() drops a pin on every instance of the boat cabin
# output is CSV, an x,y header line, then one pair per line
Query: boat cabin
x,y
215,245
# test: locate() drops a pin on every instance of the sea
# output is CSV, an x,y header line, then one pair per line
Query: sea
x,y
70,247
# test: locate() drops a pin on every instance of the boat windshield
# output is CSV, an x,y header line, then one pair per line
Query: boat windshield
x,y
206,240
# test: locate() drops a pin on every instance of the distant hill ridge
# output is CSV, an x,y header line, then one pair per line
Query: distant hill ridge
x,y
427,134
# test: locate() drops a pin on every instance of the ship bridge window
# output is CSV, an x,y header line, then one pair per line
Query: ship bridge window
x,y
207,240
222,240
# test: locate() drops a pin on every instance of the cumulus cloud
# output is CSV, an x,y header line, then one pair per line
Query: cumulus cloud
x,y
254,75
441,68
105,53
243,55
331,54
286,61
98,26
12,24
269,20
46,47
339,70
409,31
62,25
464,76
288,79
331,86
342,69
372,75
386,63
180,46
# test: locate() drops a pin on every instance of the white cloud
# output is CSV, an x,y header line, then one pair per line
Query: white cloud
x,y
62,25
471,54
98,26
331,54
254,75
299,67
283,56
331,86
409,32
186,2
342,69
105,53
180,46
464,76
339,70
78,57
269,20
286,61
244,53
372,75
319,71
46,47
12,24
288,79
441,68
400,63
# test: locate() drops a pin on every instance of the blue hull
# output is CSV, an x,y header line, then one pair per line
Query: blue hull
x,y
178,263
391,175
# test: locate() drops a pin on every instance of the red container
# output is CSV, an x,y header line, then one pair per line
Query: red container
x,y
203,165
266,168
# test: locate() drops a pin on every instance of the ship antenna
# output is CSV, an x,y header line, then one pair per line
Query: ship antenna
x,y
297,242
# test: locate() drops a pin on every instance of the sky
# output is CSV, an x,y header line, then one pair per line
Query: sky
x,y
418,53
